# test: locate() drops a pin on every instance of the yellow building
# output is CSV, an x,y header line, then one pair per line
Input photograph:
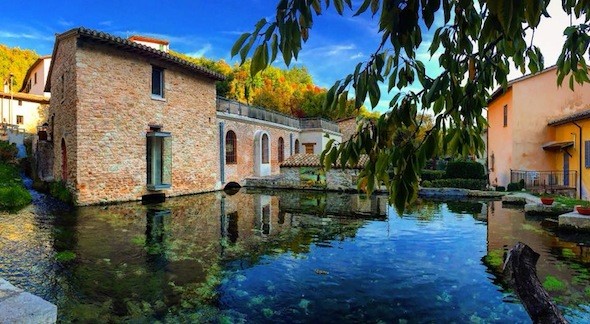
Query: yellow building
x,y
533,137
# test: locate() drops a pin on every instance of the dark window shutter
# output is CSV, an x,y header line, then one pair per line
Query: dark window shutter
x,y
587,153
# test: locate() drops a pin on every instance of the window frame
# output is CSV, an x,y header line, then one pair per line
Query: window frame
x,y
281,149
150,183
231,156
297,146
22,120
265,149
505,115
161,94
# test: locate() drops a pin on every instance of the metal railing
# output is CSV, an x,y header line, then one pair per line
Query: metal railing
x,y
319,123
548,180
237,108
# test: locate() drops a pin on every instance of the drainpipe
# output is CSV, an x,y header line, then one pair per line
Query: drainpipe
x,y
222,152
580,162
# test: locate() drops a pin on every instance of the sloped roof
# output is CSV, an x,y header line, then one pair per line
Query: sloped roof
x,y
25,97
584,114
148,39
129,46
37,62
313,160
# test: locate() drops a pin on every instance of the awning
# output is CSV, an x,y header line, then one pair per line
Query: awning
x,y
557,146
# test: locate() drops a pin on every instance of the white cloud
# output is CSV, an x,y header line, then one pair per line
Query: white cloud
x,y
64,23
34,35
107,23
201,52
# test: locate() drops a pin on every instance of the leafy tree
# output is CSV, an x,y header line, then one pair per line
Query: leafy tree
x,y
16,61
475,47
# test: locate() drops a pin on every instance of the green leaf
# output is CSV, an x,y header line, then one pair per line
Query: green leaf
x,y
238,44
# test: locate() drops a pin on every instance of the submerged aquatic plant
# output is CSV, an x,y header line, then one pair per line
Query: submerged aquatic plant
x,y
65,256
551,283
494,258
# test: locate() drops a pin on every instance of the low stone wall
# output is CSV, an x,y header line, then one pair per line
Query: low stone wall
x,y
575,222
309,178
18,306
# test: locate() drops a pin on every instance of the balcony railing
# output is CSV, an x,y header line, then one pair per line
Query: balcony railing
x,y
546,180
237,108
319,123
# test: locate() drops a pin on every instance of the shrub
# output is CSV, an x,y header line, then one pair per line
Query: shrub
x,y
465,170
7,152
500,188
432,174
521,184
426,184
513,186
474,184
14,196
59,190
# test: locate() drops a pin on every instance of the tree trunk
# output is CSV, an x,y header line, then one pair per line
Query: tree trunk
x,y
519,268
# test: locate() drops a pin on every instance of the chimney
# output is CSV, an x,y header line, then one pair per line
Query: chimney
x,y
159,44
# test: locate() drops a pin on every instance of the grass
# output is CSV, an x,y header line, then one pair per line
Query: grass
x,y
13,194
570,202
551,283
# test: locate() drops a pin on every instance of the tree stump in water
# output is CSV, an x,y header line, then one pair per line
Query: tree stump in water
x,y
520,269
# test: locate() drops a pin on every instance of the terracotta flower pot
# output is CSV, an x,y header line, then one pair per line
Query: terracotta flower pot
x,y
547,200
583,210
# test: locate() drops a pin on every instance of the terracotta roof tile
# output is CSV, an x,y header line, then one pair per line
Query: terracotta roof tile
x,y
313,160
584,114
25,97
129,46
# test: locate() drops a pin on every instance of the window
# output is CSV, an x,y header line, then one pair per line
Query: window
x,y
505,115
159,159
230,148
35,77
20,102
309,148
296,146
157,82
19,120
587,153
265,155
281,149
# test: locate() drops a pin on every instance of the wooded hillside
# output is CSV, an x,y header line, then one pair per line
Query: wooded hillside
x,y
16,61
288,91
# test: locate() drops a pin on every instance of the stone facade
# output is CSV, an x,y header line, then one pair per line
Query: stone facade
x,y
246,130
103,108
347,127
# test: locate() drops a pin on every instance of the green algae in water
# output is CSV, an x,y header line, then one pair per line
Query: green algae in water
x,y
138,240
495,258
551,283
65,256
568,253
267,312
529,227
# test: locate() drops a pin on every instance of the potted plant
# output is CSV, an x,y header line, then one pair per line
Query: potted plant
x,y
546,200
584,208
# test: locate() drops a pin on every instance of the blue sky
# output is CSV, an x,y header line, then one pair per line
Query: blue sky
x,y
210,27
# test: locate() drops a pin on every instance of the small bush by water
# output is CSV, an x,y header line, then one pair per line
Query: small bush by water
x,y
12,192
59,190
465,170
474,184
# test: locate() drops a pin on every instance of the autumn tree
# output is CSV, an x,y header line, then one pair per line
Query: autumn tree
x,y
475,47
16,61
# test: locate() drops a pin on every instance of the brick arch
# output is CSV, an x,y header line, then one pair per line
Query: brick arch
x,y
262,168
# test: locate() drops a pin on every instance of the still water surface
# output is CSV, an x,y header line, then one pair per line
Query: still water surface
x,y
284,257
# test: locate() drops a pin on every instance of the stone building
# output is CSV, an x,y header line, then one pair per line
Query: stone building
x,y
128,120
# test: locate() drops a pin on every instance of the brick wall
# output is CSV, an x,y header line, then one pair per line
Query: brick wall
x,y
245,130
62,106
347,128
112,91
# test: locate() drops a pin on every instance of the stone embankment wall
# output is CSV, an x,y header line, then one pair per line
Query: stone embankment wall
x,y
291,178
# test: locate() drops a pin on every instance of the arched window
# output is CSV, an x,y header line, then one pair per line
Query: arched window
x,y
296,146
265,148
231,148
281,149
64,161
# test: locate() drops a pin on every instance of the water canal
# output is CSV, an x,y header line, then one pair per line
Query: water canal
x,y
261,256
